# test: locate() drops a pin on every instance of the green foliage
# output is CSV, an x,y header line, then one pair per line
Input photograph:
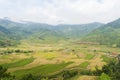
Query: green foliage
x,y
19,63
64,75
84,64
4,75
86,72
106,58
104,77
23,51
97,71
6,37
89,56
30,77
43,69
68,74
4,52
108,34
111,71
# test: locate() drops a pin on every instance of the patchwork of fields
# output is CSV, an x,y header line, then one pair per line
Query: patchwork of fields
x,y
53,59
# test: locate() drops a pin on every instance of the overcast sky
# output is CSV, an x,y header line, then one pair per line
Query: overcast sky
x,y
61,11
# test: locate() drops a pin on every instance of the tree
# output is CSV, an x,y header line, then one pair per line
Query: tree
x,y
4,74
104,77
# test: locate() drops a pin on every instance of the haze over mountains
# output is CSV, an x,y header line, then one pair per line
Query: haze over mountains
x,y
12,32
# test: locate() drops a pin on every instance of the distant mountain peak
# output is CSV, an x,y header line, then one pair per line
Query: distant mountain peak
x,y
115,23
6,18
97,23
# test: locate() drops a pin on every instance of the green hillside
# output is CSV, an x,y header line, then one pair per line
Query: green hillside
x,y
108,34
6,37
45,33
77,31
46,36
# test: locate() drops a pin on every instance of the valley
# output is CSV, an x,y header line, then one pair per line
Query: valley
x,y
35,51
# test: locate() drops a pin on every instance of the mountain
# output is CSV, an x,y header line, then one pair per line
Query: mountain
x,y
46,36
108,34
6,37
45,33
77,31
8,23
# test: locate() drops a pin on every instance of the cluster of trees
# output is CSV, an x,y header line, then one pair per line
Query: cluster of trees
x,y
111,71
64,75
4,75
16,51
8,42
32,77
68,74
4,43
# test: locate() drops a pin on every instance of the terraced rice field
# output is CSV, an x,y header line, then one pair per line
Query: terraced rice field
x,y
46,60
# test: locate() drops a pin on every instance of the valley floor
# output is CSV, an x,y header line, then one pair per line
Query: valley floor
x,y
51,59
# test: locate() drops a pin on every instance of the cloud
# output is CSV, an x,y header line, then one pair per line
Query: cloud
x,y
61,11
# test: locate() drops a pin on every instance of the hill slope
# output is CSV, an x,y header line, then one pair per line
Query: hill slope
x,y
108,34
6,37
44,33
77,31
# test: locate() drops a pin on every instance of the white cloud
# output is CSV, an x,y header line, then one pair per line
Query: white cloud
x,y
61,11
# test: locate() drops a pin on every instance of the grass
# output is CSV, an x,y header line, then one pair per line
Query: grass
x,y
5,56
106,58
84,64
43,69
49,55
18,63
89,56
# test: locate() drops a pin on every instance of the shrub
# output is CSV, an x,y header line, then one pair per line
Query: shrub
x,y
104,77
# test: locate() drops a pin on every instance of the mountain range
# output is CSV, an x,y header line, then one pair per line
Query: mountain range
x,y
11,33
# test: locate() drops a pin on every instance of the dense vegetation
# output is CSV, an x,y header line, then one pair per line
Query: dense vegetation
x,y
41,33
4,75
108,34
18,63
6,37
110,71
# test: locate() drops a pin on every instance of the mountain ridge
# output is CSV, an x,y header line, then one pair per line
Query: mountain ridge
x,y
40,32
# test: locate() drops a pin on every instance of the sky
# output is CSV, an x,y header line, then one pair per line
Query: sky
x,y
61,11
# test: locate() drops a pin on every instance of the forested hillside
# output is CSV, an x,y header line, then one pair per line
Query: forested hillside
x,y
108,34
6,37
45,33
